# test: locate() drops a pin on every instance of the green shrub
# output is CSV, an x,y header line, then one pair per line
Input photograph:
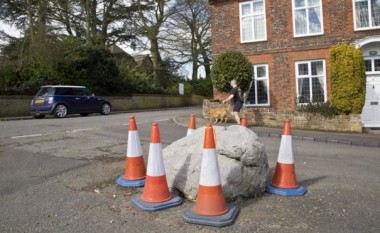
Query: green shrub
x,y
348,79
136,81
202,87
231,65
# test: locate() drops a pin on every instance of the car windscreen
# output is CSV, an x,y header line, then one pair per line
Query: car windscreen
x,y
45,91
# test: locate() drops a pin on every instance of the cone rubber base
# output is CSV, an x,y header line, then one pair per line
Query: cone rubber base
x,y
286,192
150,207
217,221
130,183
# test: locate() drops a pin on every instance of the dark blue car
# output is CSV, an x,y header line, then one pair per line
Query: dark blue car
x,y
63,100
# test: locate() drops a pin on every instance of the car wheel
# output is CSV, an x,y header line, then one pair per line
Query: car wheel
x,y
84,114
60,111
39,116
105,109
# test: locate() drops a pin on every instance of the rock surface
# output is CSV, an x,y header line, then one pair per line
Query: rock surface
x,y
242,160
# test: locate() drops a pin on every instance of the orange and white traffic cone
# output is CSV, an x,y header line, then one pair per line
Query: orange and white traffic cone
x,y
284,180
210,207
244,121
191,128
135,171
156,195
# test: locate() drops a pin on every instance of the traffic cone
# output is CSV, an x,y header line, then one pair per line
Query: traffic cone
x,y
135,171
210,207
156,195
284,180
191,128
244,121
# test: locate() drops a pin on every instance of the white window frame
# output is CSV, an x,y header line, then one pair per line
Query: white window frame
x,y
240,20
369,16
307,21
297,76
254,84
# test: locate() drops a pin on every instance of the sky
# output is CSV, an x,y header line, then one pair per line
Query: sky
x,y
10,30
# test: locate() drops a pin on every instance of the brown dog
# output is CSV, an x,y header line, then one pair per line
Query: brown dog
x,y
219,113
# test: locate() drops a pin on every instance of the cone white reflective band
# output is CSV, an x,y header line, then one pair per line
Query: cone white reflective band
x,y
190,131
134,146
285,155
210,173
155,160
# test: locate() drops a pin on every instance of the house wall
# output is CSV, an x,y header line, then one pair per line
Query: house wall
x,y
282,49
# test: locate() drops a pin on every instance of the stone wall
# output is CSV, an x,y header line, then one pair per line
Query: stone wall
x,y
299,120
12,106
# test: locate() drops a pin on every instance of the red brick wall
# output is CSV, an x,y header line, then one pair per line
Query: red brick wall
x,y
282,50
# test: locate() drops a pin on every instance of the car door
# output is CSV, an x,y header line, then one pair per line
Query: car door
x,y
66,96
86,101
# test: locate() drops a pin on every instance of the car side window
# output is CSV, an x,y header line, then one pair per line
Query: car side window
x,y
82,92
64,91
44,91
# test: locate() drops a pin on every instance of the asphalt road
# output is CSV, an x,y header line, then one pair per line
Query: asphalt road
x,y
58,175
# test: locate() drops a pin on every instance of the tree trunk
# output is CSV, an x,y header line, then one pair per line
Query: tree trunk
x,y
88,22
206,65
156,59
93,22
206,59
42,18
30,19
194,54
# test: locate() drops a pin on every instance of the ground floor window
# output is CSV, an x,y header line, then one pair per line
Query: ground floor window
x,y
258,94
311,81
372,64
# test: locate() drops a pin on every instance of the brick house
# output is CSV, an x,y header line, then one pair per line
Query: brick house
x,y
288,44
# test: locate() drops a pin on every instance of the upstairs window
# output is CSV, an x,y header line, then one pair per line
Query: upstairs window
x,y
307,18
366,14
311,81
252,21
258,95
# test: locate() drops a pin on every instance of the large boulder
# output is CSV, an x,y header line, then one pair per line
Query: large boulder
x,y
242,160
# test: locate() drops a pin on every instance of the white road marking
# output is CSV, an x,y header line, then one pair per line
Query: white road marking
x,y
78,130
139,123
27,136
39,135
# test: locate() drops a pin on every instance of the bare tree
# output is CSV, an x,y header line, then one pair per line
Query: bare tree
x,y
148,22
190,38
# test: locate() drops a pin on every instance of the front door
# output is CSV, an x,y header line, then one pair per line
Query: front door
x,y
371,109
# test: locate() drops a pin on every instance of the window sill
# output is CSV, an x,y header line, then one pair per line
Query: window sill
x,y
257,105
309,35
366,29
253,41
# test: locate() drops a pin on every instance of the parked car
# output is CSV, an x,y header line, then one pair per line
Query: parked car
x,y
63,100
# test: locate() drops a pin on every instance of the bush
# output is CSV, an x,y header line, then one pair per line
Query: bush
x,y
136,81
348,79
228,66
202,87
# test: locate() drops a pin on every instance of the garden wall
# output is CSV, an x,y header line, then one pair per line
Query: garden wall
x,y
13,106
299,120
